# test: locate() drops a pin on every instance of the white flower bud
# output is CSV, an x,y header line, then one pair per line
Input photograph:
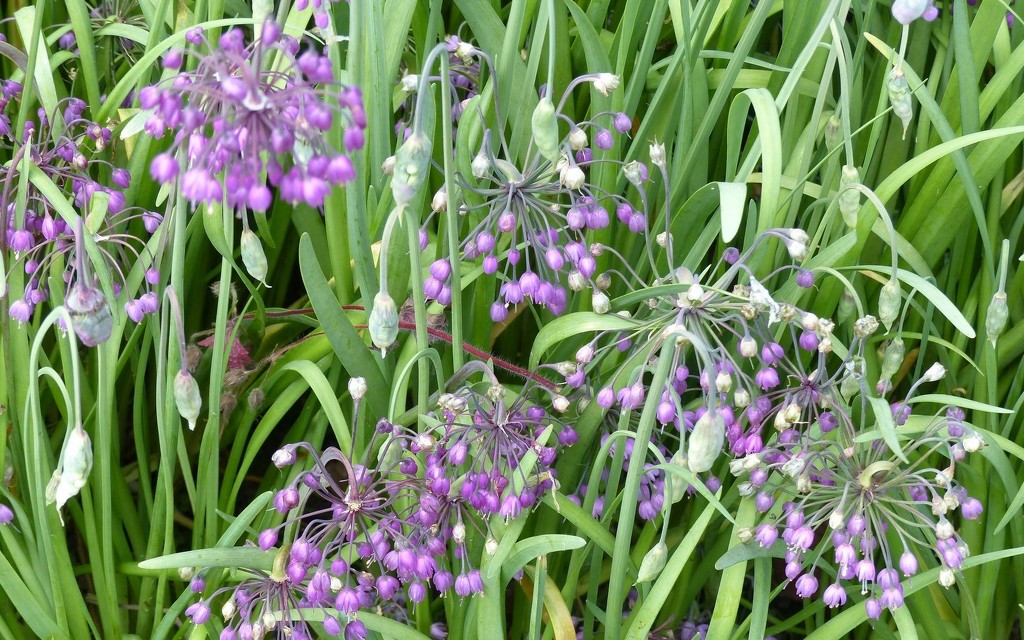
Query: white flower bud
x,y
736,467
574,178
228,610
186,573
440,200
425,442
809,322
657,153
576,281
952,502
944,529
973,443
825,345
751,461
383,322
676,488
388,166
283,457
745,535
75,464
803,484
723,382
491,546
663,238
745,489
480,165
560,404
459,533
837,519
605,83
995,320
577,139
947,578
934,373
748,347
357,388
889,302
741,398
600,302
695,293
849,198
585,354
410,83
465,52
269,621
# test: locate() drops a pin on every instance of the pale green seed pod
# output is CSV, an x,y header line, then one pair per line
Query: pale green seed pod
x,y
832,128
889,301
998,314
899,97
706,441
849,387
90,314
849,198
676,486
892,358
186,396
545,129
653,563
412,163
253,258
847,307
383,321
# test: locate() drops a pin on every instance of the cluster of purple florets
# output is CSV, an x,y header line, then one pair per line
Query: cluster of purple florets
x,y
238,116
65,146
395,525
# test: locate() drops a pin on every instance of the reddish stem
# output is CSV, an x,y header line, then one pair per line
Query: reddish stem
x,y
436,333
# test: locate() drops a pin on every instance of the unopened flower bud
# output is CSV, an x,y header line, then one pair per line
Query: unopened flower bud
x,y
676,487
480,165
849,197
411,166
809,322
796,241
491,546
75,464
600,302
186,396
357,388
745,535
576,281
748,347
832,127
383,323
973,443
889,302
947,578
545,129
253,257
560,404
892,358
573,178
803,484
837,519
652,564
585,354
388,166
657,153
741,398
706,441
635,172
899,98
663,238
577,139
723,382
186,573
934,373
283,457
995,319
440,200
459,533
944,529
410,83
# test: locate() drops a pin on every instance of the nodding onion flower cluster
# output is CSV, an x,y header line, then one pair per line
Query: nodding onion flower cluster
x,y
531,219
246,111
463,82
885,514
63,146
395,523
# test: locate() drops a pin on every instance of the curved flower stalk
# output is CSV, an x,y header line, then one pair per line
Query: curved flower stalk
x,y
104,14
43,240
885,515
389,525
251,117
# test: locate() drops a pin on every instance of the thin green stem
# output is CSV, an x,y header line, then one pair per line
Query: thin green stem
x,y
452,219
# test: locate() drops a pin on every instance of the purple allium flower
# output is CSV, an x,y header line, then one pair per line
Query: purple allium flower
x,y
863,492
6,514
234,118
906,11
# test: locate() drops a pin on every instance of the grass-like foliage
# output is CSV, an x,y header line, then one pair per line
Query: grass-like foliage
x,y
546,319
